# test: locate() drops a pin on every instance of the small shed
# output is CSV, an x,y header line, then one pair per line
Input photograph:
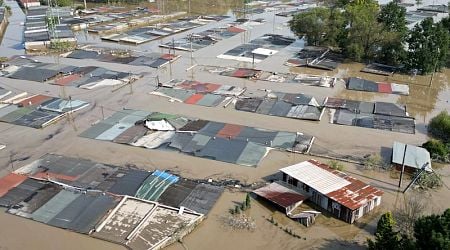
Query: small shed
x,y
282,196
412,156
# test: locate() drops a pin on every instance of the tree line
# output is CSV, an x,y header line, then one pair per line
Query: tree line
x,y
430,232
363,31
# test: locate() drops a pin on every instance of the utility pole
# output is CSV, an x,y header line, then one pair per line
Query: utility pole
x,y
403,166
253,60
11,161
192,57
192,52
189,7
103,113
435,66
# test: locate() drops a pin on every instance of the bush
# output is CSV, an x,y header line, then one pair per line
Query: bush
x,y
439,127
373,162
429,181
436,148
336,165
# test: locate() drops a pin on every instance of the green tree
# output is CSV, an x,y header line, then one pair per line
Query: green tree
x,y
428,47
393,18
364,34
312,24
320,26
439,127
433,231
385,236
248,201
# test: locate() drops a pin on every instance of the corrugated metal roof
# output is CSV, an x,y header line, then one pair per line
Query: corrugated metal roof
x,y
316,177
54,206
352,195
202,198
280,195
415,157
10,181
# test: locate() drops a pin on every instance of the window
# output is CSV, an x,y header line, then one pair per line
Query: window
x,y
305,187
290,180
357,213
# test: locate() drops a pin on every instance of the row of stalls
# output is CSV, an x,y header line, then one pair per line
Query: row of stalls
x,y
89,77
122,205
35,111
152,60
219,141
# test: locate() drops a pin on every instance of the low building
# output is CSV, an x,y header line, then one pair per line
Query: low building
x,y
413,157
336,192
281,195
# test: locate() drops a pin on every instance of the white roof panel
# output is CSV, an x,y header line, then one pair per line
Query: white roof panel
x,y
316,177
265,52
415,157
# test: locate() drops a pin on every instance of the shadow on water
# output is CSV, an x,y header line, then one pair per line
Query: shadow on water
x,y
336,244
273,177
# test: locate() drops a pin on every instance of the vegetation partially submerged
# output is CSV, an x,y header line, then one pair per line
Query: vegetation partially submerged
x,y
439,145
363,31
429,232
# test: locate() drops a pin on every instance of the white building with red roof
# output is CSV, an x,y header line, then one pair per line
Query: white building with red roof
x,y
345,197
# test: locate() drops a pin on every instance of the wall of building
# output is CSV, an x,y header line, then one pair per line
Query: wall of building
x,y
338,210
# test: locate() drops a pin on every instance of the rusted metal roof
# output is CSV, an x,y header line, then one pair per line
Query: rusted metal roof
x,y
332,102
245,73
10,181
34,100
353,195
280,195
235,29
230,131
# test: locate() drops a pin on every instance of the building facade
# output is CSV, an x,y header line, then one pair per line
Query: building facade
x,y
343,196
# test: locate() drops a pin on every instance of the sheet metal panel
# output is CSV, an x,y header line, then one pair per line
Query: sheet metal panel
x,y
54,206
212,128
211,100
249,105
252,154
256,135
83,213
202,198
265,106
95,130
223,149
130,182
176,193
284,140
114,132
131,135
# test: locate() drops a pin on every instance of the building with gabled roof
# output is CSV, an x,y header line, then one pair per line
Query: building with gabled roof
x,y
347,198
